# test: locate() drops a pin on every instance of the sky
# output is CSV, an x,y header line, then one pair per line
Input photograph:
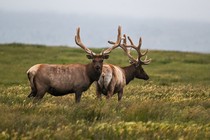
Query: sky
x,y
164,24
167,9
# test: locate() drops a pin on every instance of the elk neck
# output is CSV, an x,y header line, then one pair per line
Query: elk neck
x,y
129,72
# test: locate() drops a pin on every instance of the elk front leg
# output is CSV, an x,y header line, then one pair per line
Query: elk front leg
x,y
98,91
78,97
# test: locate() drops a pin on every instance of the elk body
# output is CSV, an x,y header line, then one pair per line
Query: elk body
x,y
114,78
60,80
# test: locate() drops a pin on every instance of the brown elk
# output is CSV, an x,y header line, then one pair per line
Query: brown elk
x,y
60,80
114,78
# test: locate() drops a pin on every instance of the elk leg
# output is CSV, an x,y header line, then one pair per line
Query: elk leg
x,y
41,90
109,94
33,87
110,91
32,93
40,94
120,93
98,93
78,96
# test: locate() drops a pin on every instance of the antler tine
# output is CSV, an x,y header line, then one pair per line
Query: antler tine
x,y
111,42
146,61
130,41
138,49
125,46
124,39
79,43
139,46
140,42
115,44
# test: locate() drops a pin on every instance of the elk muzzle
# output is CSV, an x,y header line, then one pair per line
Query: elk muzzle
x,y
98,64
98,68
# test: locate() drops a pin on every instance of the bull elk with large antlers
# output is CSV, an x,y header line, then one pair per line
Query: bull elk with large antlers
x,y
60,80
113,78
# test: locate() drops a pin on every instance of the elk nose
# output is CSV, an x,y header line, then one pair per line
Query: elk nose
x,y
98,67
146,77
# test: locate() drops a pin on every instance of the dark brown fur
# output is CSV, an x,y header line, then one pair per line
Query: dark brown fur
x,y
60,80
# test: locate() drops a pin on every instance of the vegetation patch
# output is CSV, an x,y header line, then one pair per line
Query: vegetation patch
x,y
173,104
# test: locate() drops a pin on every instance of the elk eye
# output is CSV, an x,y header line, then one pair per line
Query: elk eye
x,y
101,61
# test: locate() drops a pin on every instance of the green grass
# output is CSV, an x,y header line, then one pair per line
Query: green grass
x,y
173,104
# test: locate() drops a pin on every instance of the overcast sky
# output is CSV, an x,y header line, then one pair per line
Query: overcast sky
x,y
170,9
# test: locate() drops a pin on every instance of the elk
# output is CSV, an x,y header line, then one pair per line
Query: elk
x,y
59,80
114,78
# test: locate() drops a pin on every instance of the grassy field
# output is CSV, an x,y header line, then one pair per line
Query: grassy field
x,y
173,104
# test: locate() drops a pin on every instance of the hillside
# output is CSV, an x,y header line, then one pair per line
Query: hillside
x,y
174,103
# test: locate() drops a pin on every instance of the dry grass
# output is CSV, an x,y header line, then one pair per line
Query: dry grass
x,y
171,105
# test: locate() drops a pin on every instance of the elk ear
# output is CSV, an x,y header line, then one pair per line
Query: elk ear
x,y
89,56
106,56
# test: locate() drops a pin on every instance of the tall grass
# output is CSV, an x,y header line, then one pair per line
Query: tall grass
x,y
173,104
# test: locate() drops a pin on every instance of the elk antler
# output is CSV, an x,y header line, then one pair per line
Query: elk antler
x,y
115,44
124,46
79,43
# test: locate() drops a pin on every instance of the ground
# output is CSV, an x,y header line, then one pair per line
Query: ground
x,y
173,104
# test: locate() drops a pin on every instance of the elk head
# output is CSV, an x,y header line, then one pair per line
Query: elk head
x,y
97,59
139,71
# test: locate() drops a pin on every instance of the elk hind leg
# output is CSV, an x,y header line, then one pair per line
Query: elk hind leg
x,y
32,85
120,93
110,91
32,93
41,90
